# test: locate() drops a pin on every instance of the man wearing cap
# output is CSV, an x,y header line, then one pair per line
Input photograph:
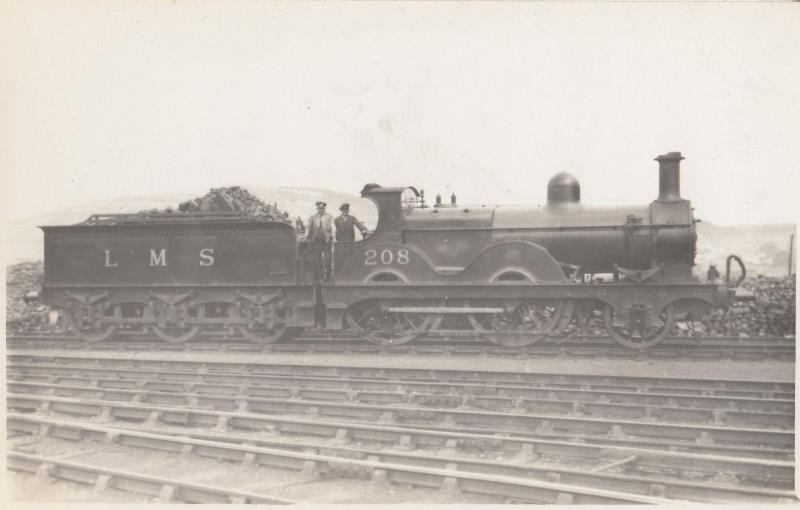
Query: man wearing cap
x,y
713,274
320,234
346,225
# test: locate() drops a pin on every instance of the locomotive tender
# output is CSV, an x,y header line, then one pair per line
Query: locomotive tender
x,y
513,276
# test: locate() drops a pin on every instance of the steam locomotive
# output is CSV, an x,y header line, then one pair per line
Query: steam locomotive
x,y
512,276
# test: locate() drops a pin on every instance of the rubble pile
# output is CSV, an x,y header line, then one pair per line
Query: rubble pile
x,y
22,316
771,314
231,199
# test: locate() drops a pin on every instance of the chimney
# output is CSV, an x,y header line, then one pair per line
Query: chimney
x,y
669,177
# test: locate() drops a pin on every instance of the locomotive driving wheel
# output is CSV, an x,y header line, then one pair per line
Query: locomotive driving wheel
x,y
638,327
92,330
526,323
373,321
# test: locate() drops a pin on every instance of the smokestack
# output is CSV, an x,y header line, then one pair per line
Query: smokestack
x,y
669,177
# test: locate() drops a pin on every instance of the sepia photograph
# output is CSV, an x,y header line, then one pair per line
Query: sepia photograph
x,y
383,253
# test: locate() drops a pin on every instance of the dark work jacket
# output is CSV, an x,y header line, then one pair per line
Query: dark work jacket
x,y
345,228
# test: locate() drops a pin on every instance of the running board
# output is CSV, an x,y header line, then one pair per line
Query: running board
x,y
444,309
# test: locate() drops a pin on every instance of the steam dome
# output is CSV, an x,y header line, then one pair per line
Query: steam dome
x,y
563,191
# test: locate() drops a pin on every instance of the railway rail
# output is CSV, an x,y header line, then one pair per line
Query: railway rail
x,y
671,348
444,394
167,489
415,416
521,480
127,366
384,398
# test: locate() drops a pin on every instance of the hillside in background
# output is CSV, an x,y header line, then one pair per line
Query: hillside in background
x,y
764,248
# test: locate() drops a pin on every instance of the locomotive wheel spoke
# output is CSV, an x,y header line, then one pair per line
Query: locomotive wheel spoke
x,y
435,320
374,322
563,327
529,322
174,333
362,315
261,333
642,333
409,321
87,331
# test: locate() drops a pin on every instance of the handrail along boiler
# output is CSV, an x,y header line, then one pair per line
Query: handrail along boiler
x,y
513,276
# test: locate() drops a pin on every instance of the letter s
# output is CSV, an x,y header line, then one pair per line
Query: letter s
x,y
207,257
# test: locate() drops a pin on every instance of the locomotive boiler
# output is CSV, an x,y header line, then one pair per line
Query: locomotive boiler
x,y
513,276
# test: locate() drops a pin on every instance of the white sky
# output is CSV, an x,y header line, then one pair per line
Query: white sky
x,y
119,98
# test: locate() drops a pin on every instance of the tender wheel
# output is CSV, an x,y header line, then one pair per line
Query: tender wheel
x,y
267,336
267,329
373,321
90,331
175,333
639,328
528,322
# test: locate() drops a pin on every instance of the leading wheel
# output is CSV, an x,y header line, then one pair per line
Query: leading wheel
x,y
639,328
373,321
527,323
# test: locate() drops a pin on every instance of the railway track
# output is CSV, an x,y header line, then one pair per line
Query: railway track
x,y
120,366
338,395
668,467
166,489
544,421
671,348
495,396
527,437
409,392
523,480
701,441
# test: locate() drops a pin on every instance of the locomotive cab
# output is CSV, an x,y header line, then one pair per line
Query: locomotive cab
x,y
392,204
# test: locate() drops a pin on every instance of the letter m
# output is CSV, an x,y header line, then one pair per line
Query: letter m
x,y
160,259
